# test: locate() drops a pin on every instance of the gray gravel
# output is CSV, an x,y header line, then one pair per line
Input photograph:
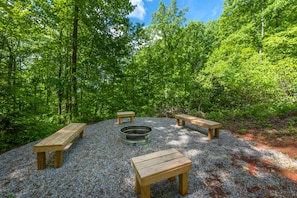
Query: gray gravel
x,y
98,165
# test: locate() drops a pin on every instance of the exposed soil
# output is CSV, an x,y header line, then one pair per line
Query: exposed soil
x,y
285,144
218,169
275,136
278,136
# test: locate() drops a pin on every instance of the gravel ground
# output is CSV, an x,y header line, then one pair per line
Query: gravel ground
x,y
98,165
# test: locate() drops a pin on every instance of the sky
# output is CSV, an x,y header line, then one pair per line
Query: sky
x,y
199,10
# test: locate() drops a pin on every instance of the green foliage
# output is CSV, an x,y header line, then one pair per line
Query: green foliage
x,y
196,113
42,70
242,131
242,66
257,113
292,129
19,128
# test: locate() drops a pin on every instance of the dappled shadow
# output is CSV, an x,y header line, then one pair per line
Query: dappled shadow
x,y
98,165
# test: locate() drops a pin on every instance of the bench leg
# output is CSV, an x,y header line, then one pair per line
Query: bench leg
x,y
172,178
41,160
145,191
137,185
177,122
217,133
58,159
183,123
132,119
81,134
119,120
183,183
209,134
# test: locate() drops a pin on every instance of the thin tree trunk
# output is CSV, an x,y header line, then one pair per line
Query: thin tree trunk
x,y
255,18
67,93
262,27
14,78
60,88
74,62
277,18
11,74
60,93
9,65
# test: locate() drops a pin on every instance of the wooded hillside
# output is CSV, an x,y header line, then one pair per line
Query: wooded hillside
x,y
63,61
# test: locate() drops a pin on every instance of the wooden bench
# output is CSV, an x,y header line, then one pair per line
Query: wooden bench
x,y
58,142
130,114
158,166
200,122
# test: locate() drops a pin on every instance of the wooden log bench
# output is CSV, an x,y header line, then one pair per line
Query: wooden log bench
x,y
157,166
130,114
58,142
200,122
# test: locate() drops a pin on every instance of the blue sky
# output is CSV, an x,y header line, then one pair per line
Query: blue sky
x,y
199,10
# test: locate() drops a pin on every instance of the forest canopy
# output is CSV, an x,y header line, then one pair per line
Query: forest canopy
x,y
63,61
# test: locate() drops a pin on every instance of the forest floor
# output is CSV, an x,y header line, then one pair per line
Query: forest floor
x,y
278,135
224,167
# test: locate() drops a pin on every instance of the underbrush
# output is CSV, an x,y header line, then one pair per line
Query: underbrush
x,y
18,130
282,118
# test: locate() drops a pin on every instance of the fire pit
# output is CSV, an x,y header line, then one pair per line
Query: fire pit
x,y
136,135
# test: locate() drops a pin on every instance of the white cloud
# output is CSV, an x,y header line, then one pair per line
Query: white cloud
x,y
215,11
139,11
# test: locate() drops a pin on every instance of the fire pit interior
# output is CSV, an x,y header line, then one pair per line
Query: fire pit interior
x,y
136,135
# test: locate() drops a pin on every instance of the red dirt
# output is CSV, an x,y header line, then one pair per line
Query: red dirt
x,y
285,144
269,139
254,165
277,136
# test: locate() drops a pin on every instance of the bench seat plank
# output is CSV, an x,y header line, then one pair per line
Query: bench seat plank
x,y
200,122
185,117
206,123
154,167
153,155
130,114
164,170
126,114
58,142
60,139
159,160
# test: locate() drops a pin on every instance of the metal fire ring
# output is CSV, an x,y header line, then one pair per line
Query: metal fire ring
x,y
136,135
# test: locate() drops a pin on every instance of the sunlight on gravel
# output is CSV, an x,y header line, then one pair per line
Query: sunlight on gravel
x,y
99,165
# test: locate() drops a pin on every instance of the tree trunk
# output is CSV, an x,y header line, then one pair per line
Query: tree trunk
x,y
74,62
277,18
255,18
11,74
67,93
9,65
262,27
60,93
